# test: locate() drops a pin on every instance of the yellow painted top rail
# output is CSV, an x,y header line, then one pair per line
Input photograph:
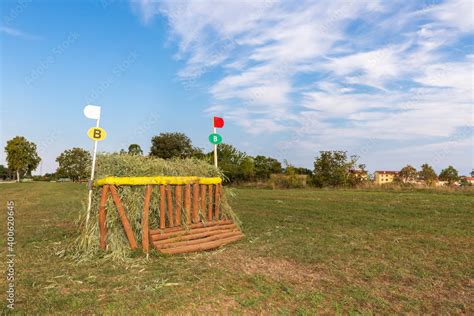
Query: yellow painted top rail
x,y
156,180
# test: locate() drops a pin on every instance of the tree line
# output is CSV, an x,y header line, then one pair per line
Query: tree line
x,y
331,168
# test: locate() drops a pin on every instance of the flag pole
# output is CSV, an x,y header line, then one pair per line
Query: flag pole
x,y
94,155
215,148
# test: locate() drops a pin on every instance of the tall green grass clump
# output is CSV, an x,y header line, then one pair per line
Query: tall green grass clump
x,y
86,245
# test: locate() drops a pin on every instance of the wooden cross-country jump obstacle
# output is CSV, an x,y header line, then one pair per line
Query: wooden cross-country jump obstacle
x,y
193,223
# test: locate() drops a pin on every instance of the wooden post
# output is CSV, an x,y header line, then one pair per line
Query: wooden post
x,y
203,200
195,202
170,205
102,217
187,202
217,200
178,203
209,203
162,207
123,218
146,210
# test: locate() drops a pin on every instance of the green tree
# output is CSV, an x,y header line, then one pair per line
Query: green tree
x,y
449,174
358,175
21,156
198,153
472,173
247,168
407,174
236,165
5,173
427,174
135,149
303,171
171,145
74,164
332,168
265,166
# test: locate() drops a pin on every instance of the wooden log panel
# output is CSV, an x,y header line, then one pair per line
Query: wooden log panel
x,y
195,202
146,211
202,246
170,205
209,203
213,237
203,200
217,201
102,217
193,236
187,203
195,225
123,218
162,207
193,231
178,195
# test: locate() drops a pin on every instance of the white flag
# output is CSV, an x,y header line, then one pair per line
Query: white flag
x,y
92,112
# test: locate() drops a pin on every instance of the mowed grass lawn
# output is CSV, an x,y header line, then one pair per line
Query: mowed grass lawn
x,y
305,251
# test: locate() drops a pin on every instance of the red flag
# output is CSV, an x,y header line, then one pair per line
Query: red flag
x,y
218,122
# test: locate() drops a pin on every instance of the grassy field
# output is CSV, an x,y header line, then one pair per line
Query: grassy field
x,y
305,251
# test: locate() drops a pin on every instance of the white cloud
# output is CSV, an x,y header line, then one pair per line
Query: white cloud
x,y
455,13
17,33
458,75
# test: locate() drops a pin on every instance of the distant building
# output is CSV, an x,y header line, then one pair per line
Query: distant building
x,y
470,180
384,177
360,174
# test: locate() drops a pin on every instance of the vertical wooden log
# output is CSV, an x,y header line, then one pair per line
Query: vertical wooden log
x,y
146,210
162,207
123,218
217,201
187,202
195,202
102,217
178,194
203,200
209,203
170,205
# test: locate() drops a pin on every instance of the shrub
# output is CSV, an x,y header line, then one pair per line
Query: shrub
x,y
281,181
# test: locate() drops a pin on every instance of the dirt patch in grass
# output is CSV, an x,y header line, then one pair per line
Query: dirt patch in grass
x,y
278,269
220,305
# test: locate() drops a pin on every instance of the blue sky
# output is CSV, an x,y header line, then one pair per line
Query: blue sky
x,y
391,81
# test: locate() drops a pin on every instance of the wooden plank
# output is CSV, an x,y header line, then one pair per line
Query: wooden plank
x,y
178,193
195,202
162,207
123,218
209,203
192,231
187,203
203,200
175,240
170,205
146,211
190,226
201,247
222,235
217,201
102,217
